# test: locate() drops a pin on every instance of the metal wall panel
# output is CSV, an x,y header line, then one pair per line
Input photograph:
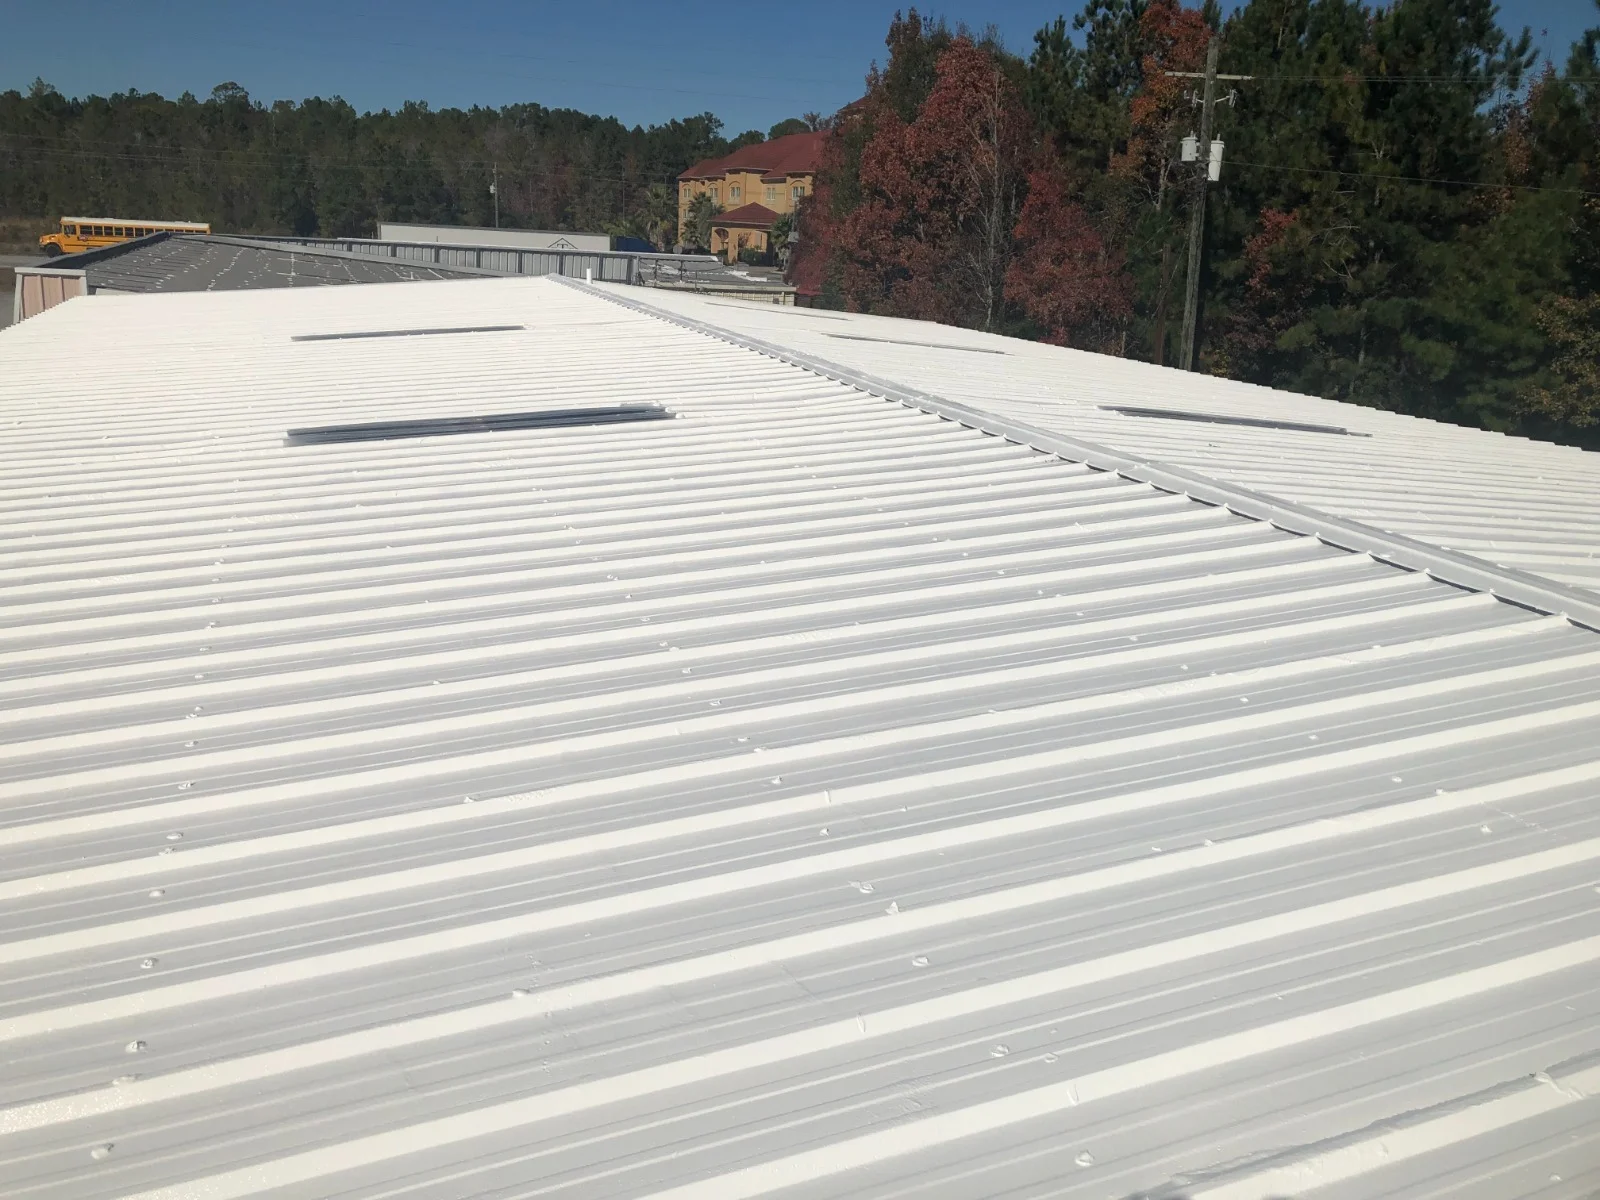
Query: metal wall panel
x,y
40,288
520,239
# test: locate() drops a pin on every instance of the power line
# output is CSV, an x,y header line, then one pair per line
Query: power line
x,y
528,78
1341,78
166,147
176,156
477,54
1519,187
24,143
368,20
1489,85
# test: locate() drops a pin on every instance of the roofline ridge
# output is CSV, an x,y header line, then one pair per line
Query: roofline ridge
x,y
1522,588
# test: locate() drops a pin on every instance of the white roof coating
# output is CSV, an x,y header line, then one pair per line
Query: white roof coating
x,y
803,796
1530,505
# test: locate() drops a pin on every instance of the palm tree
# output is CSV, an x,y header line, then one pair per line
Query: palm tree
x,y
697,222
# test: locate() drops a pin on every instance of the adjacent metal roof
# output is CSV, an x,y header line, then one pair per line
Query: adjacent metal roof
x,y
214,263
1508,500
803,796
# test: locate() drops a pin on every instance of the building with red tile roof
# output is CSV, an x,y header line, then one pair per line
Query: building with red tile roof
x,y
754,186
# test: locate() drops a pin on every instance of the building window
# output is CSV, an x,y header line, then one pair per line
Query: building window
x,y
799,190
733,193
713,190
772,195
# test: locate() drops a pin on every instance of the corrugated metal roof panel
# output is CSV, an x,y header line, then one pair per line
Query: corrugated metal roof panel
x,y
201,263
804,794
1511,501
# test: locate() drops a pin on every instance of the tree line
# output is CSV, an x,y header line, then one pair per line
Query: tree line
x,y
320,167
1407,215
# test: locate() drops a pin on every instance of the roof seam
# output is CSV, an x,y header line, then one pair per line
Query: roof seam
x,y
1522,588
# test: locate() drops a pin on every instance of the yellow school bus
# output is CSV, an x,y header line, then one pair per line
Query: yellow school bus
x,y
90,233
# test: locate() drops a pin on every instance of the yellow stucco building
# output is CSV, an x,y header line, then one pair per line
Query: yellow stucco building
x,y
753,187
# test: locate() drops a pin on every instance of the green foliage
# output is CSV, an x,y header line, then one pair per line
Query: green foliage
x,y
319,167
1569,392
1409,275
786,127
1407,217
698,220
1080,95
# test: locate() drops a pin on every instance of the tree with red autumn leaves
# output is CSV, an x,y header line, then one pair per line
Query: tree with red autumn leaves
x,y
931,237
1063,275
1172,39
960,218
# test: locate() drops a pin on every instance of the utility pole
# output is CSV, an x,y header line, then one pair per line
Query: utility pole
x,y
494,190
1206,169
1197,213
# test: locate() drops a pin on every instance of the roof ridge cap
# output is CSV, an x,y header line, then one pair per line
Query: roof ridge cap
x,y
1522,588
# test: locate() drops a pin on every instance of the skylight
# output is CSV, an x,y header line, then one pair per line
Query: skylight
x,y
1171,414
386,333
381,431
861,337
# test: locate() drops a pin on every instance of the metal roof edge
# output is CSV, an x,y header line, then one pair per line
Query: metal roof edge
x,y
711,287
1521,588
288,246
87,258
321,245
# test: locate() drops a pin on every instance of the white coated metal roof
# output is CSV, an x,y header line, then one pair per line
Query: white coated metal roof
x,y
1529,505
804,796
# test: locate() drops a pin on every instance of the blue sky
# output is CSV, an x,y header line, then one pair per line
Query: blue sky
x,y
641,62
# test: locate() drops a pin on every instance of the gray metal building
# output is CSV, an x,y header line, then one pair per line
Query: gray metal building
x,y
515,239
195,263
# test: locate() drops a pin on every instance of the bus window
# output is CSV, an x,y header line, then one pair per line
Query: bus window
x,y
70,230
118,231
